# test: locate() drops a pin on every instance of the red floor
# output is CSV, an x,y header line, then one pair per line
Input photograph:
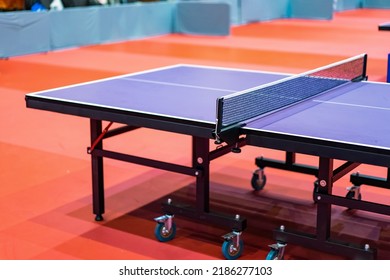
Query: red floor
x,y
45,189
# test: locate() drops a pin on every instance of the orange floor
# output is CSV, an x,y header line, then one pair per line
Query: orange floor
x,y
45,182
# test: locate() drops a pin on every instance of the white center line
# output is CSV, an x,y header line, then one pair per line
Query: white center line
x,y
178,85
353,105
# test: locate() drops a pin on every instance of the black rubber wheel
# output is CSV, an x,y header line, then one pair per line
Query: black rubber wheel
x,y
162,234
230,251
258,180
351,195
273,253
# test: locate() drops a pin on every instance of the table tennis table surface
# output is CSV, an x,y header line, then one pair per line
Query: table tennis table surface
x,y
356,113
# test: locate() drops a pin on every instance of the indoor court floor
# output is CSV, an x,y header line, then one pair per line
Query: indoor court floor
x,y
45,172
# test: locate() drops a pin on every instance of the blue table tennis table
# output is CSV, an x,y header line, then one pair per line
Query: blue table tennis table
x,y
347,123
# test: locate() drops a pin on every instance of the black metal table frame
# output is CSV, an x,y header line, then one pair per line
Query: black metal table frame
x,y
200,169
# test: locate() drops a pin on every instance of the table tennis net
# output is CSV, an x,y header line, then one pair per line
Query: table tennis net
x,y
239,107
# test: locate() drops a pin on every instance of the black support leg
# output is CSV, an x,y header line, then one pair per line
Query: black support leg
x,y
97,172
201,162
325,184
201,158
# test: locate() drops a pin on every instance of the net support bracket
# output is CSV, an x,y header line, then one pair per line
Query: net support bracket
x,y
231,136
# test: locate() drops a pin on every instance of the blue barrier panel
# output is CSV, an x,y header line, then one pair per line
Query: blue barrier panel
x,y
129,21
202,18
263,10
24,33
309,9
343,5
73,27
156,18
235,18
235,14
117,23
379,4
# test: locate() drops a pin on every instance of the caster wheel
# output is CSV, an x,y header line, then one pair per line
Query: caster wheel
x,y
231,251
258,180
351,195
164,235
272,255
276,252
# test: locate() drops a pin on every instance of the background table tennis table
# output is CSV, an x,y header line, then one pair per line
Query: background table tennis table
x,y
386,27
346,124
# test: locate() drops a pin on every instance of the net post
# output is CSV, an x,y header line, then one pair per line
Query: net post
x,y
218,125
364,74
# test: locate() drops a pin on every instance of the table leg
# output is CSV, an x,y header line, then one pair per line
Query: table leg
x,y
97,171
201,161
325,182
